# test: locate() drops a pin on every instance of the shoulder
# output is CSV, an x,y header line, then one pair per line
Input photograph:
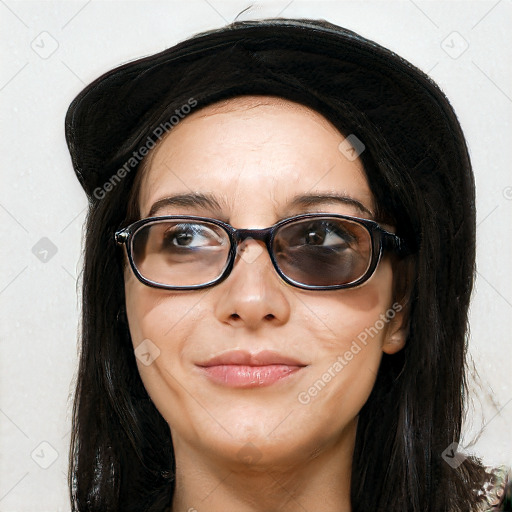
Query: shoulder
x,y
496,494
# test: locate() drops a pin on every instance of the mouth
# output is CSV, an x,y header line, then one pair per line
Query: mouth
x,y
240,369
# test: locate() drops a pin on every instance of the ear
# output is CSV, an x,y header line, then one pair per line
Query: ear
x,y
396,333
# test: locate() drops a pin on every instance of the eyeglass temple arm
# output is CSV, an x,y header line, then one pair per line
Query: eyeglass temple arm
x,y
393,242
121,236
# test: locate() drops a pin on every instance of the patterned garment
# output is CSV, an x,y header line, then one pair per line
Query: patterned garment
x,y
497,491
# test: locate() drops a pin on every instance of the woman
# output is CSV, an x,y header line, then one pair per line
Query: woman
x,y
278,265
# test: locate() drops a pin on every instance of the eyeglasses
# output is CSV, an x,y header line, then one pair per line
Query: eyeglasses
x,y
314,251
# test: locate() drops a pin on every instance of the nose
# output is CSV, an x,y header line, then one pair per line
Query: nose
x,y
253,294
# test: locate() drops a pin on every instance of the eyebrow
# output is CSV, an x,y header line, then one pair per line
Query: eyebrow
x,y
209,201
307,200
192,199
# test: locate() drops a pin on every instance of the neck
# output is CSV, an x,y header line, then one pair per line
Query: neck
x,y
318,481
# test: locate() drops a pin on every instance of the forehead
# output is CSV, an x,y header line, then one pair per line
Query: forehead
x,y
253,151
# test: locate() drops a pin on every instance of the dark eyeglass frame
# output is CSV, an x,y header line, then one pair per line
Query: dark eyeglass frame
x,y
381,240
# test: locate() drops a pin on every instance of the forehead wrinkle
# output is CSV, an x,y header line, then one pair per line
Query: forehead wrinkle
x,y
248,103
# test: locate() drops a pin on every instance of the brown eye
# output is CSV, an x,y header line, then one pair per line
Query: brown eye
x,y
325,234
194,236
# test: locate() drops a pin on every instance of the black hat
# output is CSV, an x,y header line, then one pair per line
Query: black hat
x,y
114,121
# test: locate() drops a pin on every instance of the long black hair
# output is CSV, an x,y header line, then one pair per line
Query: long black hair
x,y
417,165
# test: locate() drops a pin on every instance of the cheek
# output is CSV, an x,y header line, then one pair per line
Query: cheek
x,y
347,360
159,315
161,323
346,315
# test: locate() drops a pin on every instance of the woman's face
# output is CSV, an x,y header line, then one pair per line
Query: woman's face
x,y
254,156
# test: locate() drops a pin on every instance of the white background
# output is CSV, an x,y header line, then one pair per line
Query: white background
x,y
40,196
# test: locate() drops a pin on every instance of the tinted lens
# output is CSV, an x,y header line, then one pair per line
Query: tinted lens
x,y
180,253
323,251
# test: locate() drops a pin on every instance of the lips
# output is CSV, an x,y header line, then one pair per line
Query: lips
x,y
242,369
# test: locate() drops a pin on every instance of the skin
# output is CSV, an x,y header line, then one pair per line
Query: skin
x,y
259,449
